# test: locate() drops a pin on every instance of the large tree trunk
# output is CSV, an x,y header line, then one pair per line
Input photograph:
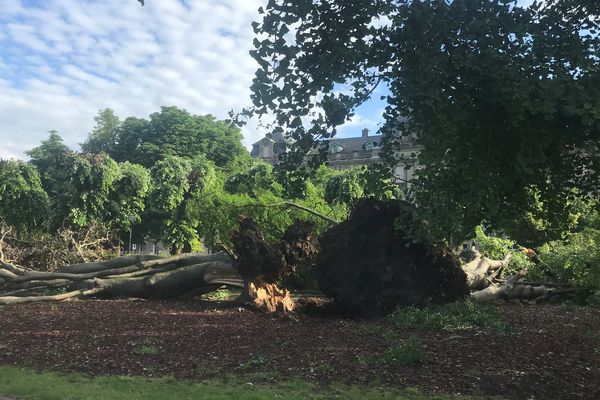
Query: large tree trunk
x,y
484,277
255,267
147,277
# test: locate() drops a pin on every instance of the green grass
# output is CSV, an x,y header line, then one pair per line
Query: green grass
x,y
450,317
145,349
220,295
27,385
407,352
258,361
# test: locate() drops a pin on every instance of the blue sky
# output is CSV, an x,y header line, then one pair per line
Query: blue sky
x,y
61,61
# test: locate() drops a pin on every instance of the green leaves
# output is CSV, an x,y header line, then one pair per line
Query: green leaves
x,y
502,98
23,201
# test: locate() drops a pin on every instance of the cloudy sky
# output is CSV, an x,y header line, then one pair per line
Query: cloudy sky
x,y
61,61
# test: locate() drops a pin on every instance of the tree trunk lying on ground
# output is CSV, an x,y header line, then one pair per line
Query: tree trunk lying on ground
x,y
484,278
164,278
255,268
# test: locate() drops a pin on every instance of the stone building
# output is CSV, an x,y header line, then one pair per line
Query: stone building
x,y
346,153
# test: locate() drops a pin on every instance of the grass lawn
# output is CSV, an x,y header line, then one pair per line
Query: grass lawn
x,y
28,385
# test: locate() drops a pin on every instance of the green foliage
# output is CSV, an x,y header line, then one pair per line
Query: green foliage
x,y
176,200
497,248
128,195
145,349
256,179
103,137
488,88
23,201
254,192
541,220
258,361
221,295
376,181
575,260
52,386
93,187
465,315
49,158
408,352
344,188
175,132
323,369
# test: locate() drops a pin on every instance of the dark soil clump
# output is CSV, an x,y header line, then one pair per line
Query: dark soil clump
x,y
371,265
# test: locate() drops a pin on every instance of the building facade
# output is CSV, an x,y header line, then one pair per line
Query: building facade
x,y
345,153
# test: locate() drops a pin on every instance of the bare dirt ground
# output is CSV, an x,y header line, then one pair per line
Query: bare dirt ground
x,y
553,353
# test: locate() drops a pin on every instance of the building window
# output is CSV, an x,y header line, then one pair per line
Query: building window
x,y
370,145
335,148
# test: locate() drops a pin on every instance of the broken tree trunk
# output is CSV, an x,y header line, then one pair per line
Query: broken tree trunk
x,y
261,264
486,285
482,270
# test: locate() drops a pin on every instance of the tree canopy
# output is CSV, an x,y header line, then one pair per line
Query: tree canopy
x,y
503,99
170,132
23,201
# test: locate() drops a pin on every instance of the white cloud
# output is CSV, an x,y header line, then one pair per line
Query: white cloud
x,y
63,60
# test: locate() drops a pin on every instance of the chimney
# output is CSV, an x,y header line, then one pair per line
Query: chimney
x,y
365,132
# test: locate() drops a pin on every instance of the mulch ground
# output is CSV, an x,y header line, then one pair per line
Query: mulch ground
x,y
554,353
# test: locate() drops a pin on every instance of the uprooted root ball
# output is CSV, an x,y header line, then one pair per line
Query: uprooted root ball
x,y
369,263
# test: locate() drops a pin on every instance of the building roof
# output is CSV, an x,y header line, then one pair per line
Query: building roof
x,y
350,145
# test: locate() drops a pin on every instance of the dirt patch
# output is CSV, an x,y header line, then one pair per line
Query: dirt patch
x,y
553,352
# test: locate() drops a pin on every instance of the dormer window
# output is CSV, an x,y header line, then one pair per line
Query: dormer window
x,y
370,145
335,148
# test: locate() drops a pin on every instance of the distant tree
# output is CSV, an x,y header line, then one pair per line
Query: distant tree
x,y
49,158
127,197
91,188
23,201
252,181
175,132
344,188
176,201
103,137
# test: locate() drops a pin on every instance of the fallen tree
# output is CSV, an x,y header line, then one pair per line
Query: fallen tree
x,y
487,283
369,263
163,278
372,263
255,267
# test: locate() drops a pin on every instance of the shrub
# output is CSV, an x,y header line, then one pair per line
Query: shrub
x,y
407,352
575,260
